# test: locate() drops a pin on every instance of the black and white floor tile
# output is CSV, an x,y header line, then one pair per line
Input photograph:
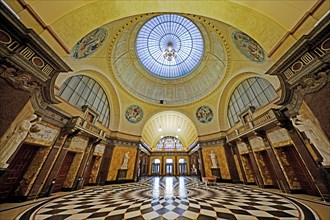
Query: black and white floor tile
x,y
171,198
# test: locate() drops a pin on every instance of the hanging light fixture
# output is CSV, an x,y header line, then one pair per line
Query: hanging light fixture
x,y
169,53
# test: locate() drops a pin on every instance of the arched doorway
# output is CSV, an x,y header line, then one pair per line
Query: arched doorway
x,y
183,167
169,166
155,167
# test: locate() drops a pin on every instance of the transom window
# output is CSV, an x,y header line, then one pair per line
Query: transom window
x,y
256,92
169,46
81,90
169,144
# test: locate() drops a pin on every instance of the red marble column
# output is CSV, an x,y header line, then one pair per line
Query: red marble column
x,y
43,183
105,164
231,163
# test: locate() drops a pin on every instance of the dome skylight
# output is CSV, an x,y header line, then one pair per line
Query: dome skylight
x,y
169,46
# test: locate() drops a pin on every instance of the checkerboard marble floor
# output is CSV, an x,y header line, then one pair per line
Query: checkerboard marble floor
x,y
171,198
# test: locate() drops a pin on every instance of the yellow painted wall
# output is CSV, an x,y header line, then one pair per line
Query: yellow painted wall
x,y
221,158
117,160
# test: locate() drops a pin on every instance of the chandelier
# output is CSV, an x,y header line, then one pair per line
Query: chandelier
x,y
169,53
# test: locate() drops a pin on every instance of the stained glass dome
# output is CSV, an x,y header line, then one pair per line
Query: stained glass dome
x,y
169,46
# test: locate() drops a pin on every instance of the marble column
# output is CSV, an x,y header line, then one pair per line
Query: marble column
x,y
240,162
137,164
105,164
255,168
43,183
58,162
231,163
201,163
282,181
317,174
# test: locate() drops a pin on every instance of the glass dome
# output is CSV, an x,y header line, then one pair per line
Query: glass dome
x,y
169,46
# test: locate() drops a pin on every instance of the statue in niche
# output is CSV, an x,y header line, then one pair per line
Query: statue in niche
x,y
125,162
315,136
16,138
213,160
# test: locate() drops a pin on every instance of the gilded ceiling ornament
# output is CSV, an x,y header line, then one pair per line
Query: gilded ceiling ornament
x,y
248,47
88,44
134,113
204,114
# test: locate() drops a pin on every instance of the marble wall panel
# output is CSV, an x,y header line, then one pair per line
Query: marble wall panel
x,y
221,159
31,174
117,160
45,137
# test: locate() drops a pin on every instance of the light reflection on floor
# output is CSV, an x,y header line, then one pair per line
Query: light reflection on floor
x,y
169,186
171,197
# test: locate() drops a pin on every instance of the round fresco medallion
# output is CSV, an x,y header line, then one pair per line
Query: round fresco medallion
x,y
88,44
249,47
134,113
204,114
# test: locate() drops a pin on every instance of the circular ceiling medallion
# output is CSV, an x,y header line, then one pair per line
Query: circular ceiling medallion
x,y
88,44
248,47
169,46
204,114
134,113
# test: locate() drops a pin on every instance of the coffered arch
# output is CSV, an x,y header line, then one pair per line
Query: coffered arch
x,y
169,123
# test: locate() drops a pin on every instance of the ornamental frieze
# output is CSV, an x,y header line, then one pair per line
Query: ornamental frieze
x,y
25,51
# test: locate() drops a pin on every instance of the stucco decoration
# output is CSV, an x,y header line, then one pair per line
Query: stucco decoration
x,y
257,143
279,137
242,147
248,47
204,114
45,136
134,113
88,44
78,144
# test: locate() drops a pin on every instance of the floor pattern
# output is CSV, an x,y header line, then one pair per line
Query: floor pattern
x,y
171,198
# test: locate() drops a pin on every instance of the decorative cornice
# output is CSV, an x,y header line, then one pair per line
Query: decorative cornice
x,y
29,62
215,142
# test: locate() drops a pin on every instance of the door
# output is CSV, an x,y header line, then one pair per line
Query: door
x,y
297,165
182,167
63,172
269,168
16,170
89,170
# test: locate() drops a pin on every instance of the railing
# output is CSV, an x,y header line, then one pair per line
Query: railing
x,y
266,118
261,119
86,126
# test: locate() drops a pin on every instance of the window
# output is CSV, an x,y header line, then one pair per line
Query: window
x,y
256,92
169,144
81,90
169,46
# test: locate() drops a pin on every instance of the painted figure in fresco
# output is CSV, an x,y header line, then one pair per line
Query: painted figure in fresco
x,y
204,114
125,162
88,44
213,160
134,114
16,138
249,47
315,136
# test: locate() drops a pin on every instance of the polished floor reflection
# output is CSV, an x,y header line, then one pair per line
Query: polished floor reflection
x,y
171,198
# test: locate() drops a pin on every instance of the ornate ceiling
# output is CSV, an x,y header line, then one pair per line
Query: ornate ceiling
x,y
112,60
135,79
